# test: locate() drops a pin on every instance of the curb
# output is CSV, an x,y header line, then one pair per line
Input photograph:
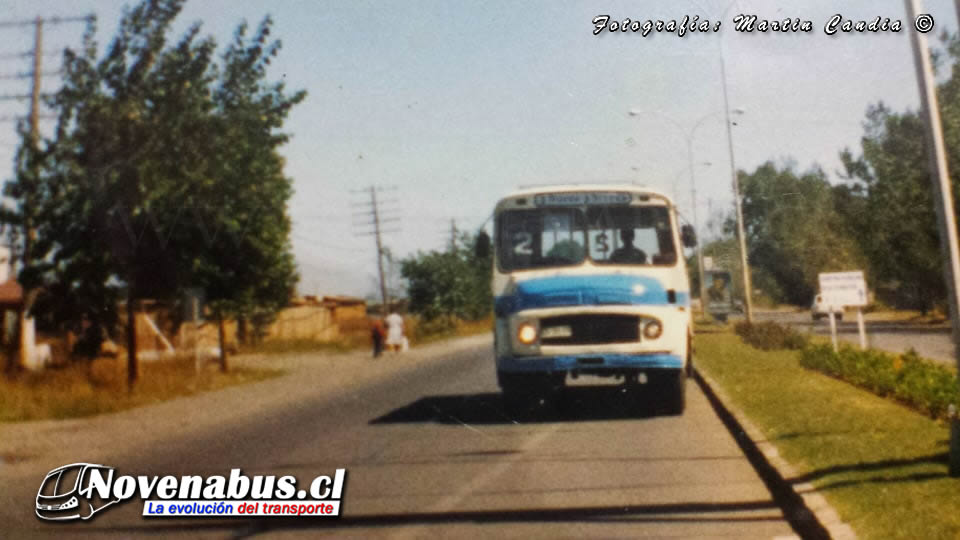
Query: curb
x,y
808,511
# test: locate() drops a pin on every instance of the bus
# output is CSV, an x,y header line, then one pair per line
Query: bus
x,y
590,280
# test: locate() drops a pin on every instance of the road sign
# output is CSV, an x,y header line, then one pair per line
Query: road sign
x,y
707,263
843,289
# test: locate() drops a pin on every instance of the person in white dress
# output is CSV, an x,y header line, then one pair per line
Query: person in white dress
x,y
395,337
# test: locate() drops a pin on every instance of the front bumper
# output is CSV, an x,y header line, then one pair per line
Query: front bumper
x,y
589,362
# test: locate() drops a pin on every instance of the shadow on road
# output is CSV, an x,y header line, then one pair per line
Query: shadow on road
x,y
890,471
698,512
577,404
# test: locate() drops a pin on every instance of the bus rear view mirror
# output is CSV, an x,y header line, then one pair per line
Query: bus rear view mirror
x,y
689,236
482,246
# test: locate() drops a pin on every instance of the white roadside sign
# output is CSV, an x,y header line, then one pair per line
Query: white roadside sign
x,y
843,289
839,289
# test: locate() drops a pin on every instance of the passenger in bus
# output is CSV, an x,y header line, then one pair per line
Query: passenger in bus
x,y
627,253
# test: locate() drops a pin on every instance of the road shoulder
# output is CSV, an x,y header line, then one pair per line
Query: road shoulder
x,y
144,429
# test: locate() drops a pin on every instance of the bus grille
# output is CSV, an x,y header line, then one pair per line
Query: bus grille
x,y
590,329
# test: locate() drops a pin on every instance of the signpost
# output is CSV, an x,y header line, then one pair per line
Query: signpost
x,y
840,289
719,298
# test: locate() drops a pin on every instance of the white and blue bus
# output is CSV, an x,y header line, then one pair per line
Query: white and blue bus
x,y
591,280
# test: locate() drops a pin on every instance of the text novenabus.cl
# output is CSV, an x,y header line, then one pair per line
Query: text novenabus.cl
x,y
79,490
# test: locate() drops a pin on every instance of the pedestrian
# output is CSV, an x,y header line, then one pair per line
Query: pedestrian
x,y
377,334
395,335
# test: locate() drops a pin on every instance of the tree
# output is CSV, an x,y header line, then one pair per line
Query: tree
x,y
892,206
888,199
253,268
455,283
793,231
163,174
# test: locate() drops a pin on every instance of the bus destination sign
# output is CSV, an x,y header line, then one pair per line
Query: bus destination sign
x,y
581,199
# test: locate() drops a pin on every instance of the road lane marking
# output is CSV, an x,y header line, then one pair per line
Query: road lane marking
x,y
479,482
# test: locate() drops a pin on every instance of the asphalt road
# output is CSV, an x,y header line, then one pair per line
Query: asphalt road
x,y
930,341
429,452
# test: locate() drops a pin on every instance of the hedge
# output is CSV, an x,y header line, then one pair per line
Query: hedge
x,y
770,335
918,383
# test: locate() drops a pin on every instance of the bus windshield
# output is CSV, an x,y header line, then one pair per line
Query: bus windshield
x,y
550,237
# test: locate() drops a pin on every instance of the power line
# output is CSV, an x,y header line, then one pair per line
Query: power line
x,y
27,75
48,20
17,118
376,220
324,245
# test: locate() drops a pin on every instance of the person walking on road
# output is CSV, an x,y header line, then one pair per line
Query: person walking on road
x,y
394,331
377,333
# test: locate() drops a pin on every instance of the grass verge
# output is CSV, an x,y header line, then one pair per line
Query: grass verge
x,y
87,389
882,466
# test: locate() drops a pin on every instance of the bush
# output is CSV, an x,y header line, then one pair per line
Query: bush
x,y
769,336
921,384
425,329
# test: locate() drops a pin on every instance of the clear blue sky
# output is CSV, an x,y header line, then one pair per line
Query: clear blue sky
x,y
457,103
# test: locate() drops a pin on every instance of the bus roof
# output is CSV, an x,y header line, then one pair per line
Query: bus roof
x,y
527,191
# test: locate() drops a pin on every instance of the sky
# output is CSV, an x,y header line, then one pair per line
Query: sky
x,y
449,106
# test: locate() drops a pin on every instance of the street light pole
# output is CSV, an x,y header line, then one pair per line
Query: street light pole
x,y
747,286
696,227
943,194
688,137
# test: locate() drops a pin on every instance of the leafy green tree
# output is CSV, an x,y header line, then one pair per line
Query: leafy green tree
x,y
888,199
891,206
163,174
455,283
252,268
794,231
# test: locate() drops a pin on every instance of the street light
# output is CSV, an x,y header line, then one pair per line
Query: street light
x,y
747,287
676,180
741,238
693,189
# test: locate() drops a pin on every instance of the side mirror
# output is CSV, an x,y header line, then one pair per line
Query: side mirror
x,y
688,235
481,247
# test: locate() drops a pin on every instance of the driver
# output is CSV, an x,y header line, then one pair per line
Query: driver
x,y
627,253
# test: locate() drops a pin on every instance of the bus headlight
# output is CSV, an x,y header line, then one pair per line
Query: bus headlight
x,y
527,333
652,330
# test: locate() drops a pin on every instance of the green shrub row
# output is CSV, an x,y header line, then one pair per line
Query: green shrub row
x,y
770,335
921,384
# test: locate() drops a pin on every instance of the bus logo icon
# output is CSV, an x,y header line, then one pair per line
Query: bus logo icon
x,y
65,493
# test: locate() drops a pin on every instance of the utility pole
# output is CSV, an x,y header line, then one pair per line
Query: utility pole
x,y
376,220
453,235
36,76
26,322
376,226
940,176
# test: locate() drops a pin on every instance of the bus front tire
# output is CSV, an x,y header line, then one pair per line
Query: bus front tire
x,y
670,390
